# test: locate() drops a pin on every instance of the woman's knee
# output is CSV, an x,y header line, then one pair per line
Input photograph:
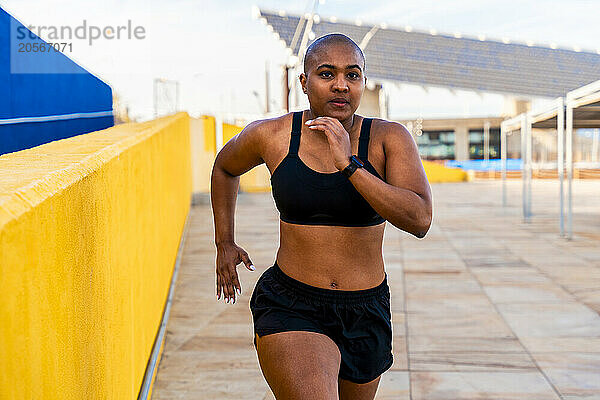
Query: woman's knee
x,y
358,391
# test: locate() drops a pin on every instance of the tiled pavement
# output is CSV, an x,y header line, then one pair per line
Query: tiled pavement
x,y
485,307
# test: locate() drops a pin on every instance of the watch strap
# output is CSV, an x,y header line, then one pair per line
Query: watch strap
x,y
355,163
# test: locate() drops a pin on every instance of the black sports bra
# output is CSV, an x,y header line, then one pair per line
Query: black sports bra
x,y
307,197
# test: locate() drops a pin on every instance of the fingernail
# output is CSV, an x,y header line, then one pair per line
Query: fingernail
x,y
308,122
227,301
252,267
239,291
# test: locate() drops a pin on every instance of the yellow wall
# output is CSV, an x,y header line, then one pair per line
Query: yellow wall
x,y
203,146
230,131
437,173
89,232
209,136
258,178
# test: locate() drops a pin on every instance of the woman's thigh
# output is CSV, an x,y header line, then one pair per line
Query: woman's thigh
x,y
299,365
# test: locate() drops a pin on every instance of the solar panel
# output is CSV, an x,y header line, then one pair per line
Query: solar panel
x,y
446,61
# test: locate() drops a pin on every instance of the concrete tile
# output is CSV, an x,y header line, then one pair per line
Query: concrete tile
x,y
393,385
174,340
456,282
470,361
449,304
565,344
480,386
433,266
463,325
574,374
589,296
202,342
187,364
537,293
228,330
523,276
594,306
400,354
551,319
425,343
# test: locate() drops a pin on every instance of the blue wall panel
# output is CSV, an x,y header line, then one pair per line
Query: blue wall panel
x,y
5,89
21,136
54,94
41,85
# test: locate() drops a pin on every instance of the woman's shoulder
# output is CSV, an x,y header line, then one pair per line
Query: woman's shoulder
x,y
270,134
392,135
269,125
388,127
383,130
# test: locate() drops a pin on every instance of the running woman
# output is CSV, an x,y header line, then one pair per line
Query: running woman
x,y
321,312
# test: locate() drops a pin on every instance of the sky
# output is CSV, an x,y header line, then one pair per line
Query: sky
x,y
218,53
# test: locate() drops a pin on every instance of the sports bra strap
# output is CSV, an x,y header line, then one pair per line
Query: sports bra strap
x,y
363,140
296,129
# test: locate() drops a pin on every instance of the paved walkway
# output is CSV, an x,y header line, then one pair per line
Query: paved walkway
x,y
485,307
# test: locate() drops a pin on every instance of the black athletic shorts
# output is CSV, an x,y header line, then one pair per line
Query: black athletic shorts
x,y
358,321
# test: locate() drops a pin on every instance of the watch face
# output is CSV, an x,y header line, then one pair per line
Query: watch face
x,y
357,161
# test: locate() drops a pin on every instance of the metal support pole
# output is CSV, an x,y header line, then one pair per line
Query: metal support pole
x,y
523,159
569,160
486,141
529,166
286,88
307,31
503,162
560,132
219,131
177,96
154,97
595,139
296,88
267,94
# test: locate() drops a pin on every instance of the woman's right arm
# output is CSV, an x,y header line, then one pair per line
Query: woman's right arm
x,y
240,154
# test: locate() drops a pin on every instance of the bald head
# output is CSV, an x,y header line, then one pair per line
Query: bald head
x,y
323,42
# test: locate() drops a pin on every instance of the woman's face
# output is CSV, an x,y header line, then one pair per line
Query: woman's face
x,y
334,81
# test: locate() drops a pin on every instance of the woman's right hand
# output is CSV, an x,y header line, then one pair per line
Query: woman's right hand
x,y
229,255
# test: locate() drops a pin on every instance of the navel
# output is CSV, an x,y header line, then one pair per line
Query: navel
x,y
333,285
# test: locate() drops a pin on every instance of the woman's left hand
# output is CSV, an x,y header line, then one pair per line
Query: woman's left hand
x,y
337,136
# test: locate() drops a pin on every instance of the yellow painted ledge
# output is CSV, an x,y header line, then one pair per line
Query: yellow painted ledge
x,y
258,178
89,233
437,173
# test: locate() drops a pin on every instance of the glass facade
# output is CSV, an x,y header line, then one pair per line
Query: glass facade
x,y
476,143
436,145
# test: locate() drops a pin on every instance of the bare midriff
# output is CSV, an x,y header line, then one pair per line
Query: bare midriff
x,y
332,257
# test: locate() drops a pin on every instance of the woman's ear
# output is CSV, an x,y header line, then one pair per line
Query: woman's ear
x,y
302,78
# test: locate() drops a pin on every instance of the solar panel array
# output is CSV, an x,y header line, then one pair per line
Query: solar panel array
x,y
460,63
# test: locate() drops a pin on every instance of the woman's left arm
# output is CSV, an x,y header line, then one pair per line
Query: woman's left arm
x,y
405,199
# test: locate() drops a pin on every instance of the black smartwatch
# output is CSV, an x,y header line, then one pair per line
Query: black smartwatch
x,y
354,163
